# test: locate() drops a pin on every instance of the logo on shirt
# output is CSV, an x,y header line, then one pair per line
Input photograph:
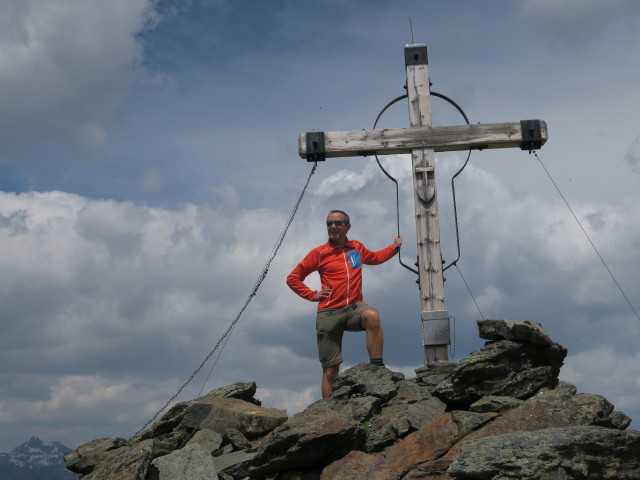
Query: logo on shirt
x,y
354,258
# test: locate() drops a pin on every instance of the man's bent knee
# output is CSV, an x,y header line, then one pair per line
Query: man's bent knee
x,y
370,319
331,372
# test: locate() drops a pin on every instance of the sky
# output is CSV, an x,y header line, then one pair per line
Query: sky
x,y
148,165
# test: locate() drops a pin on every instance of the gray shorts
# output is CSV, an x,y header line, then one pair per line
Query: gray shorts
x,y
330,325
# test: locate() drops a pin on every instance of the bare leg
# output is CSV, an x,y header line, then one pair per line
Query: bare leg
x,y
370,321
329,374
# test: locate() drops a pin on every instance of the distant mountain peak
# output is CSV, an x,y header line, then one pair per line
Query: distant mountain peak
x,y
40,459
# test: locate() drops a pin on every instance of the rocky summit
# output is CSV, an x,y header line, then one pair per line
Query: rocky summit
x,y
499,414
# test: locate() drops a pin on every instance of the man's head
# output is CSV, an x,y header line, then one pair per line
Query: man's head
x,y
338,224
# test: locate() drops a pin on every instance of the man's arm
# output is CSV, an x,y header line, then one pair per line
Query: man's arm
x,y
381,256
295,280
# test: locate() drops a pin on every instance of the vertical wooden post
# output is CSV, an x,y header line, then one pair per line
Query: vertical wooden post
x,y
422,141
435,321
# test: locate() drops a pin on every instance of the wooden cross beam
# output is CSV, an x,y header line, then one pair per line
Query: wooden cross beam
x,y
422,140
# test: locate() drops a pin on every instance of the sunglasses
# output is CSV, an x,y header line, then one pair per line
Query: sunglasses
x,y
338,223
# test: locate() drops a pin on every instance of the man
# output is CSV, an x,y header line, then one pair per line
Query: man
x,y
340,303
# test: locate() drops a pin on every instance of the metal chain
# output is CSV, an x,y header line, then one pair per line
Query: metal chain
x,y
261,278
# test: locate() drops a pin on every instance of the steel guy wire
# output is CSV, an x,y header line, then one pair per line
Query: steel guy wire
x,y
254,291
588,238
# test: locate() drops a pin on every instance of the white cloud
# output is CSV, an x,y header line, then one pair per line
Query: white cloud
x,y
102,287
607,372
86,392
116,303
133,294
342,181
71,63
291,401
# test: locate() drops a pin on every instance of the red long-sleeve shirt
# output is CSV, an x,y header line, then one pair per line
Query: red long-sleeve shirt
x,y
340,268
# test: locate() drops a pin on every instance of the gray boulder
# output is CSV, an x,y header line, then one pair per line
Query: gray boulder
x,y
358,409
86,458
241,390
218,414
492,403
552,409
132,463
232,458
432,374
192,462
503,368
587,452
501,413
312,438
367,379
412,408
522,332
209,439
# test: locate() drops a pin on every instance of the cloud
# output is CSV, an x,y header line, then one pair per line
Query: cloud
x,y
73,64
162,138
96,293
110,302
604,369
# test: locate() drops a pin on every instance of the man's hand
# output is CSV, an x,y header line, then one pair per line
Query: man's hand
x,y
323,293
398,242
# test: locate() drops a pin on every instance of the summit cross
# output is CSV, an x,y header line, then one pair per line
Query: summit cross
x,y
422,140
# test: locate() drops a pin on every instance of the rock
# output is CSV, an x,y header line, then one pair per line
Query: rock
x,y
358,409
132,463
431,442
433,373
412,408
428,443
499,414
522,332
168,424
167,443
300,475
236,439
386,428
232,458
559,453
502,368
192,462
221,413
240,390
430,470
367,379
548,409
617,420
312,438
357,465
87,457
565,387
469,422
227,449
492,403
209,439
217,413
